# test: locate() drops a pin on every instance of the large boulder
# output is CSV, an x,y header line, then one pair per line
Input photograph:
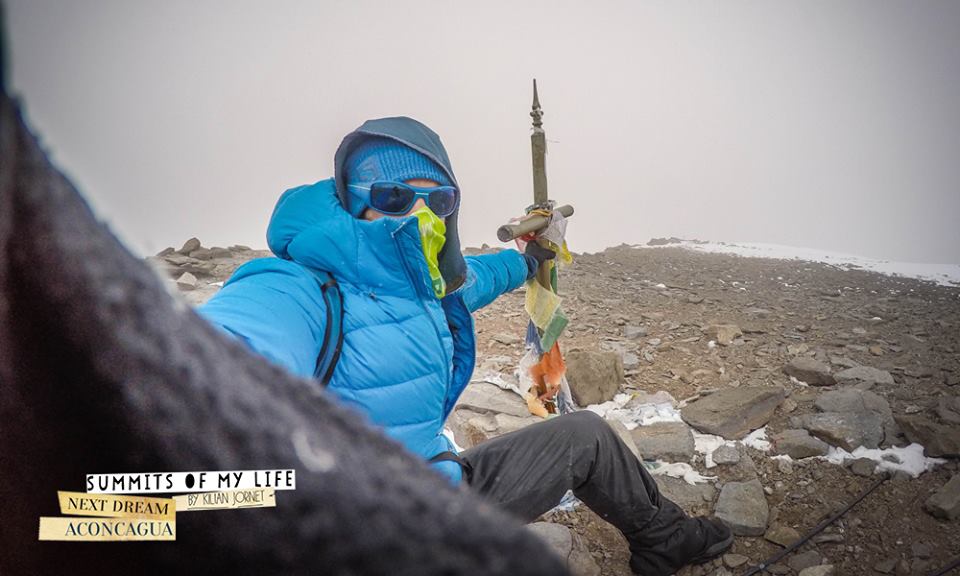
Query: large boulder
x,y
486,398
670,441
863,376
937,439
948,409
594,377
568,546
945,502
799,444
810,370
743,506
693,498
848,430
856,400
734,412
471,428
189,246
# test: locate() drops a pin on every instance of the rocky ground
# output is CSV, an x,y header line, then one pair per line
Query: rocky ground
x,y
822,357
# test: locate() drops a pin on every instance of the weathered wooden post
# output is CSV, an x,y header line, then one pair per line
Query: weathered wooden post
x,y
547,320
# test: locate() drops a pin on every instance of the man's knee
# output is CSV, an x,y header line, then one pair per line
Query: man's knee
x,y
587,424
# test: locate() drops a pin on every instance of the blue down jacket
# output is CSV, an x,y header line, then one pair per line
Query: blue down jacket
x,y
407,355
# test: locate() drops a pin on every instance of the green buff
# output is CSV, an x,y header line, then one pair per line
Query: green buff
x,y
432,237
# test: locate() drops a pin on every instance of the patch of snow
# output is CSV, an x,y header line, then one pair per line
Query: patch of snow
x,y
682,470
706,444
910,459
640,415
498,379
942,274
757,440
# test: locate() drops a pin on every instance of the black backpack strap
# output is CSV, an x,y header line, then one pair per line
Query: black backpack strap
x,y
448,456
329,355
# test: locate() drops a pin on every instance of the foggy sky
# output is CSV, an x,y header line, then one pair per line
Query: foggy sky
x,y
825,124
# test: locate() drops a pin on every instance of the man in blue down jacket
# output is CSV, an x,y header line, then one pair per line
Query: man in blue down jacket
x,y
408,337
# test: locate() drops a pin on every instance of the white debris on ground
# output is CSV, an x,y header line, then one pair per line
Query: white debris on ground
x,y
942,274
707,444
639,415
688,473
498,379
757,440
909,459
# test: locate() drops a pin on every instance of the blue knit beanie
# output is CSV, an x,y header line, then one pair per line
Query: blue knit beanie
x,y
385,159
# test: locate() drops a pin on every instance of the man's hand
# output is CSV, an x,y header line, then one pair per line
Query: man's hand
x,y
535,256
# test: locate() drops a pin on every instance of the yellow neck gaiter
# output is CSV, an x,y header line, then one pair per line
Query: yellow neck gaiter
x,y
432,238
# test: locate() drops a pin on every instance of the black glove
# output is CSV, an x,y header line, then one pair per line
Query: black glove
x,y
535,255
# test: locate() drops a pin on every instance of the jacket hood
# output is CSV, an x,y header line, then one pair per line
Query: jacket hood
x,y
416,135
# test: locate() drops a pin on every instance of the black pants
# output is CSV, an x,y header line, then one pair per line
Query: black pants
x,y
527,472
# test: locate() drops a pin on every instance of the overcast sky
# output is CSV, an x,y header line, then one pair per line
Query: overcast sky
x,y
825,124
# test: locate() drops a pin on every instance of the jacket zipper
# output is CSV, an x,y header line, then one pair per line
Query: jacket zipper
x,y
410,277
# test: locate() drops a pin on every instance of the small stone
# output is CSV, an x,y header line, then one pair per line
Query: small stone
x,y
803,560
921,550
901,476
594,377
166,251
743,506
507,339
734,560
187,281
568,546
886,566
799,444
189,246
788,406
863,467
670,441
634,332
864,375
724,334
726,454
828,538
782,535
821,570
784,466
778,569
694,299
948,410
945,502
693,498
797,349
810,371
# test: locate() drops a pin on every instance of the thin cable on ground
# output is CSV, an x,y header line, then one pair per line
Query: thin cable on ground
x,y
762,567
